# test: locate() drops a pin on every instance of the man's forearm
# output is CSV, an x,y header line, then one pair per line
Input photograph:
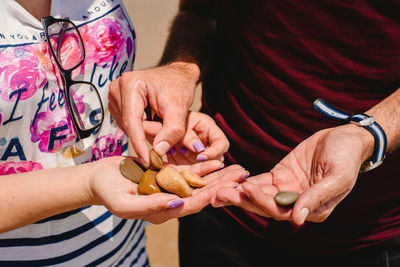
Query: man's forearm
x,y
387,114
191,35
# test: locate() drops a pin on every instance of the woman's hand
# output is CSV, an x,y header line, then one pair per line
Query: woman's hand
x,y
203,140
109,188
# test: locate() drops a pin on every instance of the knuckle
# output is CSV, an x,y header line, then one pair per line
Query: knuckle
x,y
176,131
321,201
110,97
227,145
112,86
239,169
125,77
126,122
235,167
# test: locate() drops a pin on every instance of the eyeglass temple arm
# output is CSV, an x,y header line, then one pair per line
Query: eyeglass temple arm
x,y
63,30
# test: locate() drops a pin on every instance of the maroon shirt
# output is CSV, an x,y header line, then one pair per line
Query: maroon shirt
x,y
272,59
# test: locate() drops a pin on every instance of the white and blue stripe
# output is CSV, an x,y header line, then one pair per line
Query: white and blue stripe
x,y
103,241
363,120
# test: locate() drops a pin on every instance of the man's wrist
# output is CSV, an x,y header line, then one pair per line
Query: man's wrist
x,y
360,120
191,69
366,138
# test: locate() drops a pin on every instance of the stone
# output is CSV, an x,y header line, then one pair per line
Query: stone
x,y
148,184
130,170
193,179
286,198
155,160
172,181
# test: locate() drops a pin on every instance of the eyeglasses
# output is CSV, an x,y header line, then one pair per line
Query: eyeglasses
x,y
82,98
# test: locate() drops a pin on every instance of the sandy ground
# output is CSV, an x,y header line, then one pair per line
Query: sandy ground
x,y
151,19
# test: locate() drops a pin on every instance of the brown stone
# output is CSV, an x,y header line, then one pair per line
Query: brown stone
x,y
193,179
171,180
130,170
148,184
155,160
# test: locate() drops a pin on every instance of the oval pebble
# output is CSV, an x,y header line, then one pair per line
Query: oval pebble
x,y
148,184
286,198
130,170
193,179
155,160
172,180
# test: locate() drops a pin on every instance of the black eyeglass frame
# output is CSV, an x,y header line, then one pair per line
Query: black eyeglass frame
x,y
67,77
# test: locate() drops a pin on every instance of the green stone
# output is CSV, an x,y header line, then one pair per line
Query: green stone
x,y
286,198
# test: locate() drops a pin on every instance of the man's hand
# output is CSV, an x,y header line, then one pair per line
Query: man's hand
x,y
169,90
323,168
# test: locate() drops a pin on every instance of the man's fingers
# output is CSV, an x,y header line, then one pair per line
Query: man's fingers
x,y
231,196
316,203
114,103
262,196
152,128
132,105
173,130
116,116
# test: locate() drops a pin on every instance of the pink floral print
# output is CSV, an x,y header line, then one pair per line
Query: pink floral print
x,y
41,130
19,167
104,40
24,72
107,146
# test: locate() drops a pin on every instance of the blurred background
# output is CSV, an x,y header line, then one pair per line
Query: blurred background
x,y
152,20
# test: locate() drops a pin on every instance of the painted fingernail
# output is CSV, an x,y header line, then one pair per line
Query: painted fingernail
x,y
162,147
201,158
244,176
171,151
236,186
175,203
303,213
198,146
183,150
